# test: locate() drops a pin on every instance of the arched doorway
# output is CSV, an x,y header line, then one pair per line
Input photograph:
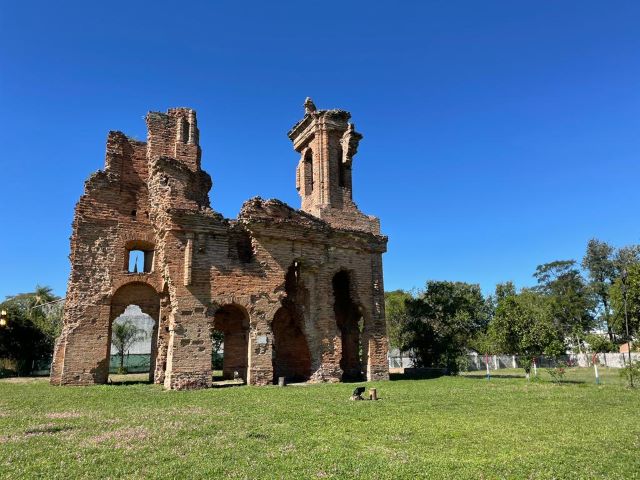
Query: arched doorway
x,y
350,322
133,329
291,357
231,327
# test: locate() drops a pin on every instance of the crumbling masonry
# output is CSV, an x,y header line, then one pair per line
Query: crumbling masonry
x,y
296,293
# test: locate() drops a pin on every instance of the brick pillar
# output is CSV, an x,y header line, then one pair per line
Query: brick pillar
x,y
188,350
378,363
260,368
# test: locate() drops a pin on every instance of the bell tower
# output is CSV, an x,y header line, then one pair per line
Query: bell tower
x,y
326,142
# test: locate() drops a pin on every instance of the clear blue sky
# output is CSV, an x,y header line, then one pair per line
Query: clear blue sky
x,y
497,135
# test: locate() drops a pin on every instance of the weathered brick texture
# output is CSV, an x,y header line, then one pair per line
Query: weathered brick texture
x,y
296,293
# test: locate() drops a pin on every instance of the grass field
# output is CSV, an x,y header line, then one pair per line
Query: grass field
x,y
449,427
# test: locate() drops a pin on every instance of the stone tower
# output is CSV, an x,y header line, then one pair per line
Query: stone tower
x,y
327,143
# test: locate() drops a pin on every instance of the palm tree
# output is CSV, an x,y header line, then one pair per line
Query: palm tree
x,y
46,319
123,336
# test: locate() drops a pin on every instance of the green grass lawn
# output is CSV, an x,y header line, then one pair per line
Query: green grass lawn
x,y
449,427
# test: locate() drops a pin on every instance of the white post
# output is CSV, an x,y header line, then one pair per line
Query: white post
x,y
495,362
513,361
535,368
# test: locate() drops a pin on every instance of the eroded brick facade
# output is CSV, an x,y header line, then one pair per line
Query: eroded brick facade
x,y
296,293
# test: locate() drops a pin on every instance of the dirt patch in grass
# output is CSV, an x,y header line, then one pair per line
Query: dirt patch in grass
x,y
24,380
54,415
122,438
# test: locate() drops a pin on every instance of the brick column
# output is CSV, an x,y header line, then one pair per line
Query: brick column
x,y
378,343
188,350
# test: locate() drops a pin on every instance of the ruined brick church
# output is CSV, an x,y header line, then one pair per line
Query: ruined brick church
x,y
295,293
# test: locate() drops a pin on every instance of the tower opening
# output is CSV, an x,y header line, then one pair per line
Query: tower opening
x,y
291,357
351,325
308,172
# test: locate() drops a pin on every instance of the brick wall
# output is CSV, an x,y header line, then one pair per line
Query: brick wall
x,y
265,279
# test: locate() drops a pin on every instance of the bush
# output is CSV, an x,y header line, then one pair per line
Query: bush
x,y
631,373
557,373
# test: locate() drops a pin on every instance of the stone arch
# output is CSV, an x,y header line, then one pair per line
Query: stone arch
x,y
350,321
232,321
291,356
145,297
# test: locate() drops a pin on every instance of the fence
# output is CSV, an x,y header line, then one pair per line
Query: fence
x,y
133,363
477,362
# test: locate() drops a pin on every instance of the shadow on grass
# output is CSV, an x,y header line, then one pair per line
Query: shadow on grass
x,y
418,374
573,382
498,376
128,382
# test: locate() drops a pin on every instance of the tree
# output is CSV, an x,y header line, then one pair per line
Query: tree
x,y
442,322
123,336
397,318
598,344
523,326
21,340
617,293
42,308
599,262
625,257
33,325
217,339
570,301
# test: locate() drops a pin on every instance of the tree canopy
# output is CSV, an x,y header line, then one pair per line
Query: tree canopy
x,y
442,321
33,323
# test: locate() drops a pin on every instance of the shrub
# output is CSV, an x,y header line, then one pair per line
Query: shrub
x,y
557,373
631,373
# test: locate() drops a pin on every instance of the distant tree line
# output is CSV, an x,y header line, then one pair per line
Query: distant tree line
x,y
34,321
569,304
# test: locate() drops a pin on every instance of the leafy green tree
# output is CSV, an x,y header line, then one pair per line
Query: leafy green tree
x,y
571,302
504,290
397,317
625,257
33,325
599,262
217,339
523,325
599,344
632,299
123,336
442,322
42,308
21,340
